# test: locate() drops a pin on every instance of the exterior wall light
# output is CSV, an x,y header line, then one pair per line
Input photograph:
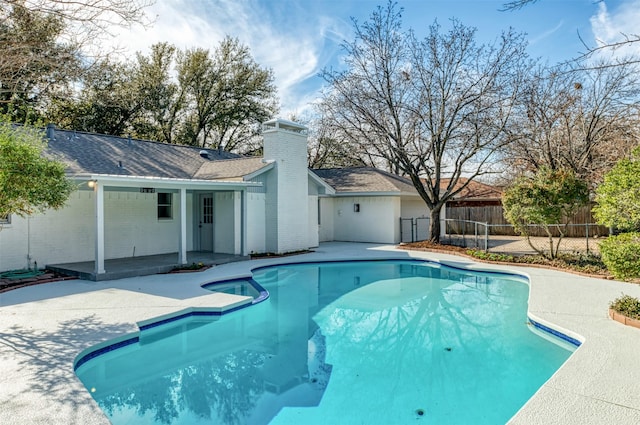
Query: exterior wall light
x,y
91,184
356,207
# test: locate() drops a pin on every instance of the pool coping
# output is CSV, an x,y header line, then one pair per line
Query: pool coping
x,y
598,384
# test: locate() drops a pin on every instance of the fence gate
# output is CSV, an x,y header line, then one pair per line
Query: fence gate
x,y
414,229
423,230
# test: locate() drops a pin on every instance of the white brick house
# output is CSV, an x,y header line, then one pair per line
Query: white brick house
x,y
140,198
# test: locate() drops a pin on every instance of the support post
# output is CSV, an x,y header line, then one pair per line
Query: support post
x,y
244,223
182,255
98,190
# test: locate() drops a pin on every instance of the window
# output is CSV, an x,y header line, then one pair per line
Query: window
x,y
5,219
164,206
207,210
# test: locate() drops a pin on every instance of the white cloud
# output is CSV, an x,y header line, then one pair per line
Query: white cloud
x,y
617,25
288,39
546,34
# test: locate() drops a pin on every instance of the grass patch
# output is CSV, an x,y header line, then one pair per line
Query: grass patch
x,y
274,255
193,267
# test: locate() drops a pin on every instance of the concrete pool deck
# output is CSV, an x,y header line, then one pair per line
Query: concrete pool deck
x,y
44,327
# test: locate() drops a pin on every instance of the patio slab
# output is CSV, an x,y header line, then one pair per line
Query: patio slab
x,y
44,327
120,268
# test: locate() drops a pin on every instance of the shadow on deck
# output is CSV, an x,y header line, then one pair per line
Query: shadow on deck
x,y
120,268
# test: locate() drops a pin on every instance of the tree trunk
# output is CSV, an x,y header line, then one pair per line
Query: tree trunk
x,y
435,224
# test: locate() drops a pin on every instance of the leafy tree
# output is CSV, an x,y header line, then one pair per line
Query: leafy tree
x,y
107,102
34,62
161,98
47,45
190,97
228,96
29,182
429,109
618,197
548,199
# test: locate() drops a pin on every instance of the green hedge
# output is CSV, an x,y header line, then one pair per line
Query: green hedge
x,y
621,255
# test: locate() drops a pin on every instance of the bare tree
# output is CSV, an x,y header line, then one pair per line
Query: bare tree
x,y
88,17
607,47
327,151
583,120
429,109
517,4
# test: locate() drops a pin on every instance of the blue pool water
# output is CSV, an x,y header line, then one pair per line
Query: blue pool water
x,y
385,342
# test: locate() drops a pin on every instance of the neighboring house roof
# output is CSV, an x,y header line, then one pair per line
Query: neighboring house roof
x,y
365,180
475,190
87,153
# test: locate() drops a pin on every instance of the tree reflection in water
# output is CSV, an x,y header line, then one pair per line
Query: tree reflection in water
x,y
335,333
224,390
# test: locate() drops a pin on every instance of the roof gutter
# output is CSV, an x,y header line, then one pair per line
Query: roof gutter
x,y
162,182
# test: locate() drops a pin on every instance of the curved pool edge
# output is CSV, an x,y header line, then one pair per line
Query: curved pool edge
x,y
143,326
606,393
113,344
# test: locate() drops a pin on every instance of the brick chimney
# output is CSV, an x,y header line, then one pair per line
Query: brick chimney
x,y
287,209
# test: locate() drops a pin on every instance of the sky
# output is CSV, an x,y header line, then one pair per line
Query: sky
x,y
299,38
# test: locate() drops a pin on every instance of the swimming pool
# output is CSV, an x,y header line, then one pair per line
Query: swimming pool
x,y
378,342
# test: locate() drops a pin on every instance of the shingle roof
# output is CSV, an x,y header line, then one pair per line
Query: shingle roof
x,y
87,153
364,179
230,168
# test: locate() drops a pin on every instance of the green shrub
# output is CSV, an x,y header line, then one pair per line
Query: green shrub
x,y
490,256
621,255
626,305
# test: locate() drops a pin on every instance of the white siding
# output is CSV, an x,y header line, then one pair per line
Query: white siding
x,y
271,211
327,212
52,237
225,222
132,227
256,223
378,220
313,230
68,235
413,208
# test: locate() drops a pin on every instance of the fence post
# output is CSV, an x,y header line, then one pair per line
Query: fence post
x,y
475,236
486,237
586,225
413,238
